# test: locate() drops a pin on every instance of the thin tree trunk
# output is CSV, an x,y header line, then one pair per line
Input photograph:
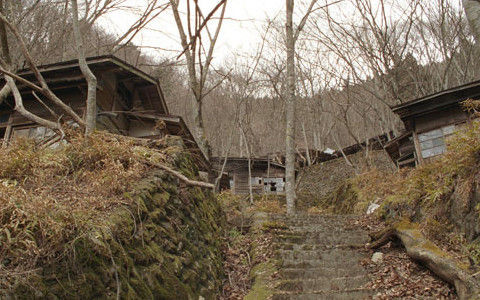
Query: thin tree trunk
x,y
32,117
43,83
6,90
91,115
309,159
290,113
250,189
247,146
472,10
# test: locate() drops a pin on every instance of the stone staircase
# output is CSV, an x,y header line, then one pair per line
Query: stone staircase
x,y
320,258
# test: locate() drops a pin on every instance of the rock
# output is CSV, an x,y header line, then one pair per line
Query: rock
x,y
377,257
372,208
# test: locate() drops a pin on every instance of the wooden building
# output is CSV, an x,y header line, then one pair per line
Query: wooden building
x,y
428,121
321,156
129,102
267,177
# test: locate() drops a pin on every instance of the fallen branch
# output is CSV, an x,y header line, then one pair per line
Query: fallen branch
x,y
181,176
431,256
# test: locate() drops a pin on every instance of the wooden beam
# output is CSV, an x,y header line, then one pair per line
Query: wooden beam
x,y
418,148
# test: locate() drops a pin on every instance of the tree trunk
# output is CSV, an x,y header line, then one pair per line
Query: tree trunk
x,y
472,10
91,114
431,256
200,129
30,116
249,153
309,159
290,112
6,90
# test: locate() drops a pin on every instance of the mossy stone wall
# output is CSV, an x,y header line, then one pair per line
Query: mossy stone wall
x,y
165,246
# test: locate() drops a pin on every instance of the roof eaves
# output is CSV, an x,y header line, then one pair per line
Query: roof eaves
x,y
435,95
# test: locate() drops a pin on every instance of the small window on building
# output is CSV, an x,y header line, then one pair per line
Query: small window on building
x,y
432,143
256,181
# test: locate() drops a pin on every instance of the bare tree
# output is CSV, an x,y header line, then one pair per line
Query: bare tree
x,y
91,113
291,38
198,59
472,10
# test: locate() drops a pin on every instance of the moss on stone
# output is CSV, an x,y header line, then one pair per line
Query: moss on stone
x,y
262,274
165,246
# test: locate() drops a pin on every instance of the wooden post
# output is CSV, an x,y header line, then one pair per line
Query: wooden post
x,y
8,131
268,170
418,149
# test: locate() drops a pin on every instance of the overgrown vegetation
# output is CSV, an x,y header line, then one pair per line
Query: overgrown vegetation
x,y
442,196
249,263
93,219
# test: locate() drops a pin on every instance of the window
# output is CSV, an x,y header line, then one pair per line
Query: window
x,y
432,143
256,181
274,185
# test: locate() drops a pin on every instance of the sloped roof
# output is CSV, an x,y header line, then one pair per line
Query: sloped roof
x,y
67,73
442,99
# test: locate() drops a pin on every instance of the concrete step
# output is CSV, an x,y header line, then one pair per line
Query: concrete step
x,y
335,254
321,284
319,263
324,254
312,247
326,239
340,295
322,228
319,258
331,272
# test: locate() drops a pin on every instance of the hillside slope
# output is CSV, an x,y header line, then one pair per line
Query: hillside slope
x,y
93,219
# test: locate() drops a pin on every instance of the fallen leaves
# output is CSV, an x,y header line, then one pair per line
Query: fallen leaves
x,y
398,276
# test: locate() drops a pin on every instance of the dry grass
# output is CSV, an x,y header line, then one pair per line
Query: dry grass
x,y
428,184
49,198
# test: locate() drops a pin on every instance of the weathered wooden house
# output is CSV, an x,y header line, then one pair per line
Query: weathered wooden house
x,y
428,121
129,102
267,177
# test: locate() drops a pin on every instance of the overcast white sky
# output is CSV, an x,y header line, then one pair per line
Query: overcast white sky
x,y
240,31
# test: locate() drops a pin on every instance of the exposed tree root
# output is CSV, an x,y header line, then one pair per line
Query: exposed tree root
x,y
422,250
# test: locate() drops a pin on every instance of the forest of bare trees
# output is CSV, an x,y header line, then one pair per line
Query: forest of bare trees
x,y
324,74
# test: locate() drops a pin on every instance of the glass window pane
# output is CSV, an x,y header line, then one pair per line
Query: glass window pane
x,y
430,135
426,144
438,142
433,152
449,130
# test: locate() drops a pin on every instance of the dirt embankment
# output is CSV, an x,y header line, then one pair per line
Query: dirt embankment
x,y
93,219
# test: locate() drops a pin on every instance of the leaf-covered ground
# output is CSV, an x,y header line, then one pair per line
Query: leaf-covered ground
x,y
398,276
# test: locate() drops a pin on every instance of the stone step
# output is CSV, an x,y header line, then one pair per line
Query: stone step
x,y
322,284
312,247
331,254
338,239
340,295
321,228
311,217
331,272
314,230
320,263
